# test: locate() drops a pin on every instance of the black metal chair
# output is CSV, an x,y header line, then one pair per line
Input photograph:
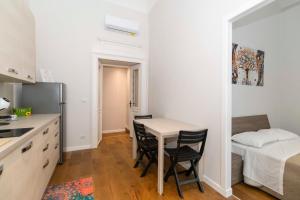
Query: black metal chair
x,y
143,117
147,146
184,153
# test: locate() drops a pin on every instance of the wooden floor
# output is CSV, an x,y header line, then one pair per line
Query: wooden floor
x,y
111,167
246,192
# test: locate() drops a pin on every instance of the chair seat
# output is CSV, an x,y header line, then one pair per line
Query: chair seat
x,y
149,144
185,153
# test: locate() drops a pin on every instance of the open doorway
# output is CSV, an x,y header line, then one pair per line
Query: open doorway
x,y
115,99
261,97
119,96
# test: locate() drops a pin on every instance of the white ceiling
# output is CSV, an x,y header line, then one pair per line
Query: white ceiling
x,y
138,5
274,8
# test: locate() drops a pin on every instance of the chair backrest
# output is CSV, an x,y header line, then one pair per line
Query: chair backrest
x,y
143,117
139,130
192,137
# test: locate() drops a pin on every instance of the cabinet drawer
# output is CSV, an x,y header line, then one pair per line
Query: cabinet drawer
x,y
45,133
55,125
26,169
43,171
18,171
7,168
54,145
55,154
51,144
50,130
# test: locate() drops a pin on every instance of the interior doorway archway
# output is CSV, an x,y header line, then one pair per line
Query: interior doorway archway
x,y
227,89
122,52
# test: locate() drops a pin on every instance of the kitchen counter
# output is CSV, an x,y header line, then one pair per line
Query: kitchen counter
x,y
37,122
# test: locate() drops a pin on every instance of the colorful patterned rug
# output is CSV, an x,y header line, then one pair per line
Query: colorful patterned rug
x,y
81,189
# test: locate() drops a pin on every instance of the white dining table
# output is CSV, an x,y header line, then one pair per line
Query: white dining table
x,y
164,128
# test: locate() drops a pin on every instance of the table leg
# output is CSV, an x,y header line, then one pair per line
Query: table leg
x,y
160,176
134,148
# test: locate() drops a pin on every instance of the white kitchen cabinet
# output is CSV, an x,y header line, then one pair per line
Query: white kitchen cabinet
x,y
27,170
17,42
7,168
49,158
25,167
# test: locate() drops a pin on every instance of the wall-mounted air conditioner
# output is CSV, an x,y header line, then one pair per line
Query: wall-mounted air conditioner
x,y
121,24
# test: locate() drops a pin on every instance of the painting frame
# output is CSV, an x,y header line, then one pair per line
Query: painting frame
x,y
248,66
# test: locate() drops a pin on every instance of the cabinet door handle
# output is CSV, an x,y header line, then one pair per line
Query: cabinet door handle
x,y
56,146
46,148
12,70
29,77
56,134
46,164
1,170
56,122
27,148
46,131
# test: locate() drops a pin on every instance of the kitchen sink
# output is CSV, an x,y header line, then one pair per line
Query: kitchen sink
x,y
7,133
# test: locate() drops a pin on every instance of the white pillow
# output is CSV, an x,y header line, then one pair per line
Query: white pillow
x,y
280,134
254,139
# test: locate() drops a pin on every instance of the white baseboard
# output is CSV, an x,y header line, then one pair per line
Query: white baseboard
x,y
76,148
217,187
114,131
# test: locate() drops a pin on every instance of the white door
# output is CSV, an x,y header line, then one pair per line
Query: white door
x,y
100,102
134,102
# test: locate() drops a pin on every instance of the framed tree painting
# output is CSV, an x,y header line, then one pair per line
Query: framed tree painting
x,y
247,66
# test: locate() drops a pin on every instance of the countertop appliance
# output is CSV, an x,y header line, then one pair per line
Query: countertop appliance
x,y
7,133
4,104
47,98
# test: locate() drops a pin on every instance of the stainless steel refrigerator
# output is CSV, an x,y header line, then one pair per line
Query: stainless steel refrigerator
x,y
46,98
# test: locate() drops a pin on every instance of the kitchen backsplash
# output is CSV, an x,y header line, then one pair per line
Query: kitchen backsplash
x,y
11,91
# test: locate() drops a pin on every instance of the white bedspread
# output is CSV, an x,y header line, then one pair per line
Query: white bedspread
x,y
266,165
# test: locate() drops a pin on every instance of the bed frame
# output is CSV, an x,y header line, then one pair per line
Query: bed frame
x,y
250,123
243,124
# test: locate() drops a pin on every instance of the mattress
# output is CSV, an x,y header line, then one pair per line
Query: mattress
x,y
241,149
265,166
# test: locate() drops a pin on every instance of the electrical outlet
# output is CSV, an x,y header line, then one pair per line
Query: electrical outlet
x,y
82,137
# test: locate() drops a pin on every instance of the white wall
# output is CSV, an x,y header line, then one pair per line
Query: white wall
x,y
139,5
185,70
66,32
278,36
290,81
115,98
252,100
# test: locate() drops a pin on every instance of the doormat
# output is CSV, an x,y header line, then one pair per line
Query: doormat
x,y
81,189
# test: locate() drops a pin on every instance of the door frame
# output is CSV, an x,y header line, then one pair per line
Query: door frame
x,y
96,57
134,109
249,8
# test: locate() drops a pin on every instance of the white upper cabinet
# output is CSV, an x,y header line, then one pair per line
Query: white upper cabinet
x,y
17,42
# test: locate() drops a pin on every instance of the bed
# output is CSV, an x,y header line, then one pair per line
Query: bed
x,y
273,167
